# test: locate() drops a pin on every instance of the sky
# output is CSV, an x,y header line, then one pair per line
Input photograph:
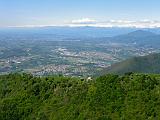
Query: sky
x,y
102,13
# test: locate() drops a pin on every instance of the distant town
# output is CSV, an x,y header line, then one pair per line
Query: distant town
x,y
48,54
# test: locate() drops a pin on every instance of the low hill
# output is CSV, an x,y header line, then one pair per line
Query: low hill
x,y
144,64
140,37
109,97
140,33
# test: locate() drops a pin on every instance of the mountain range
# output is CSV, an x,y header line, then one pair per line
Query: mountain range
x,y
76,31
139,38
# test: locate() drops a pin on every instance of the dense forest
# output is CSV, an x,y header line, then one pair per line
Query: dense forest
x,y
110,97
143,64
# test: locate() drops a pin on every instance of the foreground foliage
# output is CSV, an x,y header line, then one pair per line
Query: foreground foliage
x,y
109,97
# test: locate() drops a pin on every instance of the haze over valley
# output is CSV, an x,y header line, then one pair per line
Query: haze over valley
x,y
64,53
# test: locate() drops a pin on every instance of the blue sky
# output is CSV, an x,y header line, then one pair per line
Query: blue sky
x,y
60,12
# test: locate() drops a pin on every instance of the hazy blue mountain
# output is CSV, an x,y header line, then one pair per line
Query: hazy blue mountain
x,y
139,37
140,33
71,31
76,31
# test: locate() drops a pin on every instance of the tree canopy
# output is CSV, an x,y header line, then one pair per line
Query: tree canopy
x,y
109,97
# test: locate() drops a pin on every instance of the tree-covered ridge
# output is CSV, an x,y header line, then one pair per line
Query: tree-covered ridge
x,y
109,97
143,64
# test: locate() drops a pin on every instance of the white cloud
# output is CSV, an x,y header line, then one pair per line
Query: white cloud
x,y
110,23
115,23
83,21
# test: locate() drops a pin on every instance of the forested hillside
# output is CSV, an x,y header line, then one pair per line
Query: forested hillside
x,y
109,97
144,64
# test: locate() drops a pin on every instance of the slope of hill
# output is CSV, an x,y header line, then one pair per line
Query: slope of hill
x,y
109,97
139,33
140,37
144,64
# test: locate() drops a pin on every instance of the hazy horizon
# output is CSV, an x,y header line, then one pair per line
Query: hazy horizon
x,y
113,13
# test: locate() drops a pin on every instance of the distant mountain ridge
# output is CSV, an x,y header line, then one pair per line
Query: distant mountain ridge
x,y
141,33
140,37
137,34
143,64
76,31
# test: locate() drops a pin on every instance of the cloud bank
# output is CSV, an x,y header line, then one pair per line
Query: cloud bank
x,y
115,23
108,23
84,21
